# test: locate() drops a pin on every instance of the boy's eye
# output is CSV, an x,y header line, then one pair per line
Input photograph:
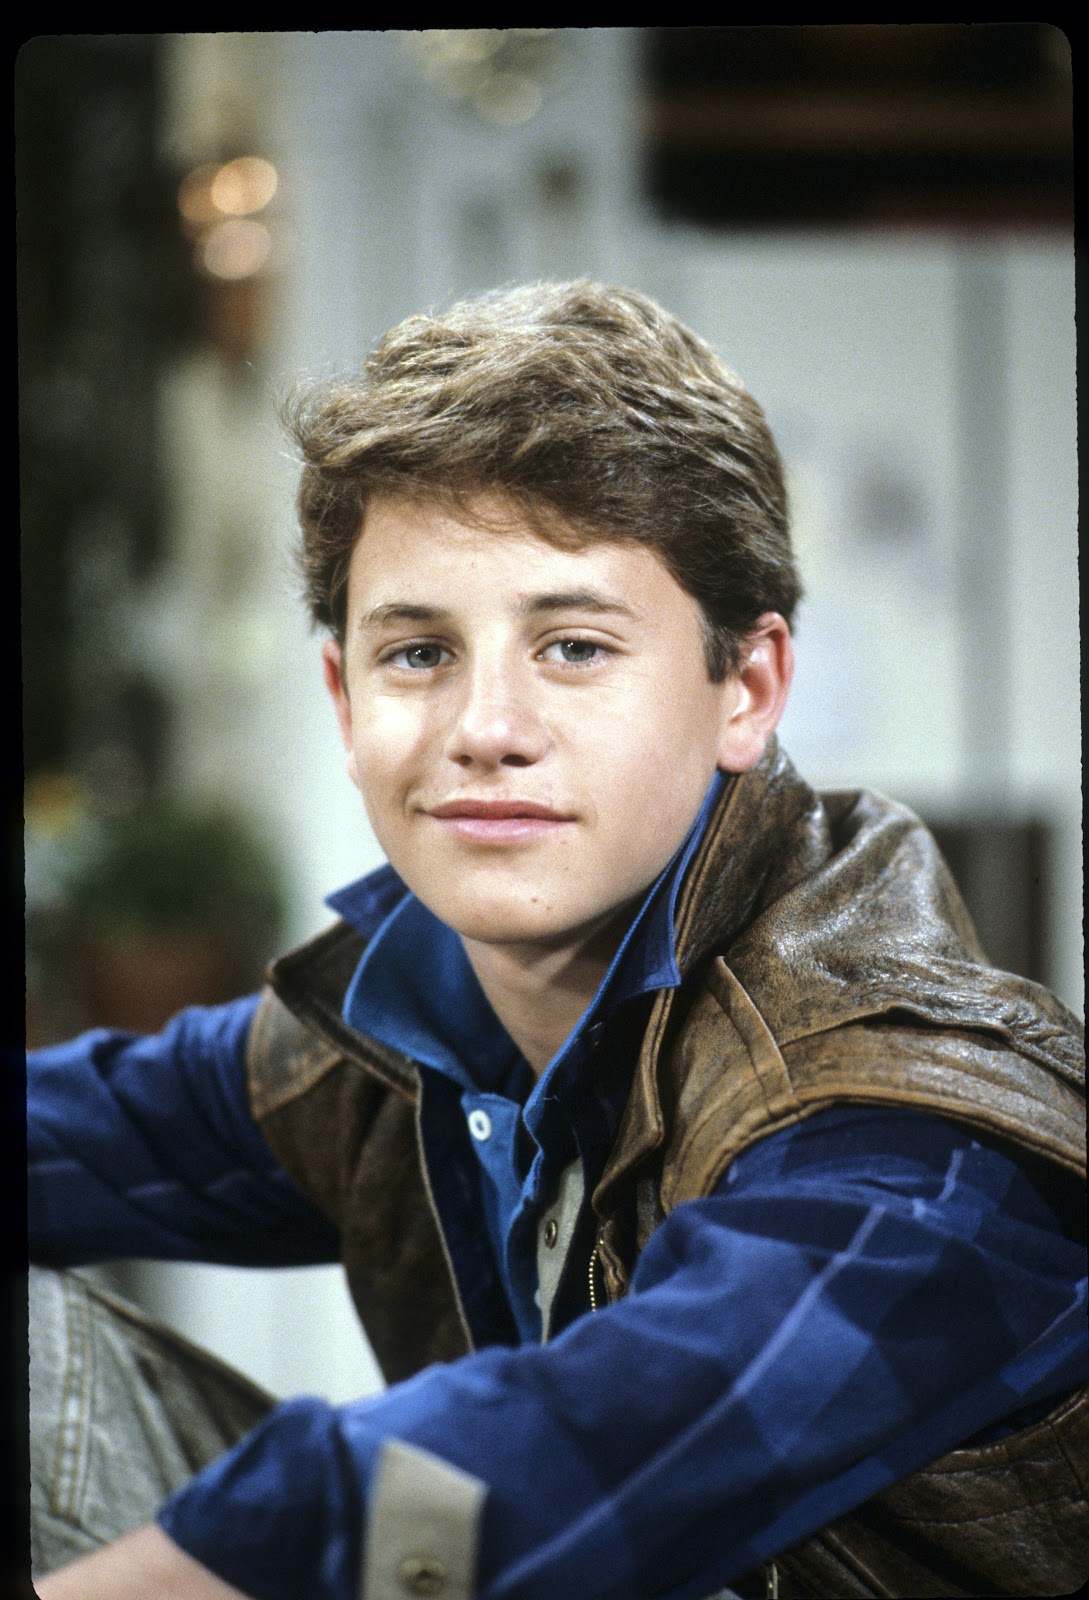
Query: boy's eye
x,y
421,657
575,651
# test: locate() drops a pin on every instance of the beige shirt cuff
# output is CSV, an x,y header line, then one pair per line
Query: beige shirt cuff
x,y
423,1528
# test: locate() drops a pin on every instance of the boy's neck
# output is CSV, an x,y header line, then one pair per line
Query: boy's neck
x,y
540,992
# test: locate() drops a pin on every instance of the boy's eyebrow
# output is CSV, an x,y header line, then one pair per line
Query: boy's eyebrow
x,y
531,606
575,600
402,611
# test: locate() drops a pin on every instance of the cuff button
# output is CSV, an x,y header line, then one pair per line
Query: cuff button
x,y
421,1576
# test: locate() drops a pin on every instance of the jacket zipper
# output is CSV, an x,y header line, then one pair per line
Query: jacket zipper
x,y
593,1264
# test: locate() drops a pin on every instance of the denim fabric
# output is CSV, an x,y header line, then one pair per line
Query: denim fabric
x,y
122,1413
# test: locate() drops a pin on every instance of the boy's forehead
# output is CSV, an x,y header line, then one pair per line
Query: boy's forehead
x,y
395,529
482,510
411,547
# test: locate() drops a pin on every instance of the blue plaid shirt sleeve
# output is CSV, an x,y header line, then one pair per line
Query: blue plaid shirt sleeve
x,y
864,1292
146,1146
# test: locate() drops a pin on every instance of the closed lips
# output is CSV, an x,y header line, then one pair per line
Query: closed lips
x,y
497,810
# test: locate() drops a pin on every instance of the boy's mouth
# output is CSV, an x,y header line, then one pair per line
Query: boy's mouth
x,y
498,822
497,810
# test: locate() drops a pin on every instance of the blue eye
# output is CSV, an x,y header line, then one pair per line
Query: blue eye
x,y
576,652
420,657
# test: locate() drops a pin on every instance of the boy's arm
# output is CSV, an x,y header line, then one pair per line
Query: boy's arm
x,y
143,1563
146,1146
862,1295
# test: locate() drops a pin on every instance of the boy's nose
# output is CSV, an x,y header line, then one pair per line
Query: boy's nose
x,y
496,723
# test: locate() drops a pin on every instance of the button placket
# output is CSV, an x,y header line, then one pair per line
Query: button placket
x,y
554,1234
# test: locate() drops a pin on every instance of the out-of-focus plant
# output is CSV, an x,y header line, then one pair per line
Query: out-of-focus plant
x,y
131,916
178,868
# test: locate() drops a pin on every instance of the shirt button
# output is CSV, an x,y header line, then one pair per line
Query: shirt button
x,y
419,1575
480,1126
551,1232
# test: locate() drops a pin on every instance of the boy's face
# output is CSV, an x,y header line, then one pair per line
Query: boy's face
x,y
532,729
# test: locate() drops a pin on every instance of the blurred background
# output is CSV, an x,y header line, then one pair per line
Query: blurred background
x,y
872,223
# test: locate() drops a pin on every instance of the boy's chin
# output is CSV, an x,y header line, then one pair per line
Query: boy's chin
x,y
530,928
512,929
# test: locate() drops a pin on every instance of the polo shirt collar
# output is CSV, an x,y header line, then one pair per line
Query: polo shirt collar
x,y
415,989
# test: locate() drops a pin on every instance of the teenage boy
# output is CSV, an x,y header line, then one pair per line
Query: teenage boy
x,y
713,1208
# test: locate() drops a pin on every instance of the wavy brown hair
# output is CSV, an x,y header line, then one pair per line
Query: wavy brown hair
x,y
591,412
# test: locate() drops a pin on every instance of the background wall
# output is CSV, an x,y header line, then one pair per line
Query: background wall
x,y
915,357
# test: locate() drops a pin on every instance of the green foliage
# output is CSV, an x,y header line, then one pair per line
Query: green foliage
x,y
180,867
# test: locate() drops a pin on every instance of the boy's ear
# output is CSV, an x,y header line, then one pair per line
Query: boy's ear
x,y
332,666
760,688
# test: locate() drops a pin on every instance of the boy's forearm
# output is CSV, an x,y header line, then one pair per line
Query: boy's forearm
x,y
142,1563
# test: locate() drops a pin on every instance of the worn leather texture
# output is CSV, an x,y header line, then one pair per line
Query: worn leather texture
x,y
826,957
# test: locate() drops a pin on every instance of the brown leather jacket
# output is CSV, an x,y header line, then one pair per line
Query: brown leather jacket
x,y
826,957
